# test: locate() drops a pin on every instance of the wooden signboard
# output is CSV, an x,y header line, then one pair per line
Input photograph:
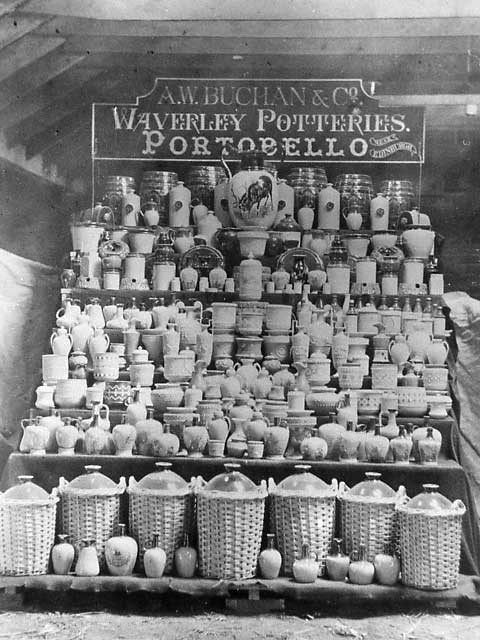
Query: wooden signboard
x,y
304,121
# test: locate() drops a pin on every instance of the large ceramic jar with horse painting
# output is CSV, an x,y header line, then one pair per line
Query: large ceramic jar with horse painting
x,y
253,193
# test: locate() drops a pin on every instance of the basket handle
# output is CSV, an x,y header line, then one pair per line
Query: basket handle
x,y
401,493
342,488
271,485
62,484
132,482
122,483
335,486
459,506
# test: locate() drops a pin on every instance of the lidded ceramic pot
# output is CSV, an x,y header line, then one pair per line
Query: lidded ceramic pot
x,y
161,501
303,512
230,513
90,508
369,514
430,528
27,528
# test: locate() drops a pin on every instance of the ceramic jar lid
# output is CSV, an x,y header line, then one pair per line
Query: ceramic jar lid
x,y
163,480
232,481
372,487
26,490
429,500
303,483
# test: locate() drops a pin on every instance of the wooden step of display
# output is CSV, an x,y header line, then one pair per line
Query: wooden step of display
x,y
320,596
207,297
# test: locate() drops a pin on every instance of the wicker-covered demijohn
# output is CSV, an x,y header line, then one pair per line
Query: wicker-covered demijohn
x,y
230,513
90,508
430,528
27,528
368,515
303,512
160,503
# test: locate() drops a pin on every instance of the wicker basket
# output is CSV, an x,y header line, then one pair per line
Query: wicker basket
x,y
90,513
27,534
430,546
371,520
166,511
230,525
298,519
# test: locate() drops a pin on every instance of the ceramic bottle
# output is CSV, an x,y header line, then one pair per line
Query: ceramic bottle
x,y
329,208
349,444
237,441
379,210
337,562
250,284
87,562
346,412
220,203
262,385
81,333
136,410
204,344
165,444
305,569
148,431
124,436
185,559
332,432
340,343
67,436
276,439
179,205
361,571
429,448
270,560
387,567
121,553
376,447
401,447
154,559
63,554
118,321
286,199
314,447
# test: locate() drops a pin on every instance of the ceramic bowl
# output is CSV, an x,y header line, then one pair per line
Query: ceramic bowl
x,y
322,400
412,402
383,239
252,241
369,401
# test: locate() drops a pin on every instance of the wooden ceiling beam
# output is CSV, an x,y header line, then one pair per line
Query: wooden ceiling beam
x,y
104,86
379,28
15,26
8,6
269,46
47,96
34,76
60,132
253,10
24,52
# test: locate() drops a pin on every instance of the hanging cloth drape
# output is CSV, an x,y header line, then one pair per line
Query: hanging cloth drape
x,y
465,317
29,296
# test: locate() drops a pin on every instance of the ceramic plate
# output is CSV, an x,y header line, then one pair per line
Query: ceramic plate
x,y
312,259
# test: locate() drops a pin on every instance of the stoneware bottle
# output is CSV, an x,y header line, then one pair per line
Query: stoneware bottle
x,y
337,562
185,559
121,553
270,560
63,554
305,569
154,559
360,571
87,561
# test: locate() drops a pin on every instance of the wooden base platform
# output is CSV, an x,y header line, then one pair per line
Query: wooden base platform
x,y
247,596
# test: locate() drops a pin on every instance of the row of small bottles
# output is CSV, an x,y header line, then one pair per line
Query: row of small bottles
x,y
362,317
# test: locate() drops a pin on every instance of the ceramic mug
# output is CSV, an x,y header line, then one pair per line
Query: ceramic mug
x,y
106,366
54,368
93,395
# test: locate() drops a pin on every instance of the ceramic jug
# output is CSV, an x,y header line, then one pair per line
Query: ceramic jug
x,y
81,332
63,554
121,553
95,314
98,343
329,208
87,561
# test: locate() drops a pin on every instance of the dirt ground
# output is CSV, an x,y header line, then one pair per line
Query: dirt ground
x,y
222,626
